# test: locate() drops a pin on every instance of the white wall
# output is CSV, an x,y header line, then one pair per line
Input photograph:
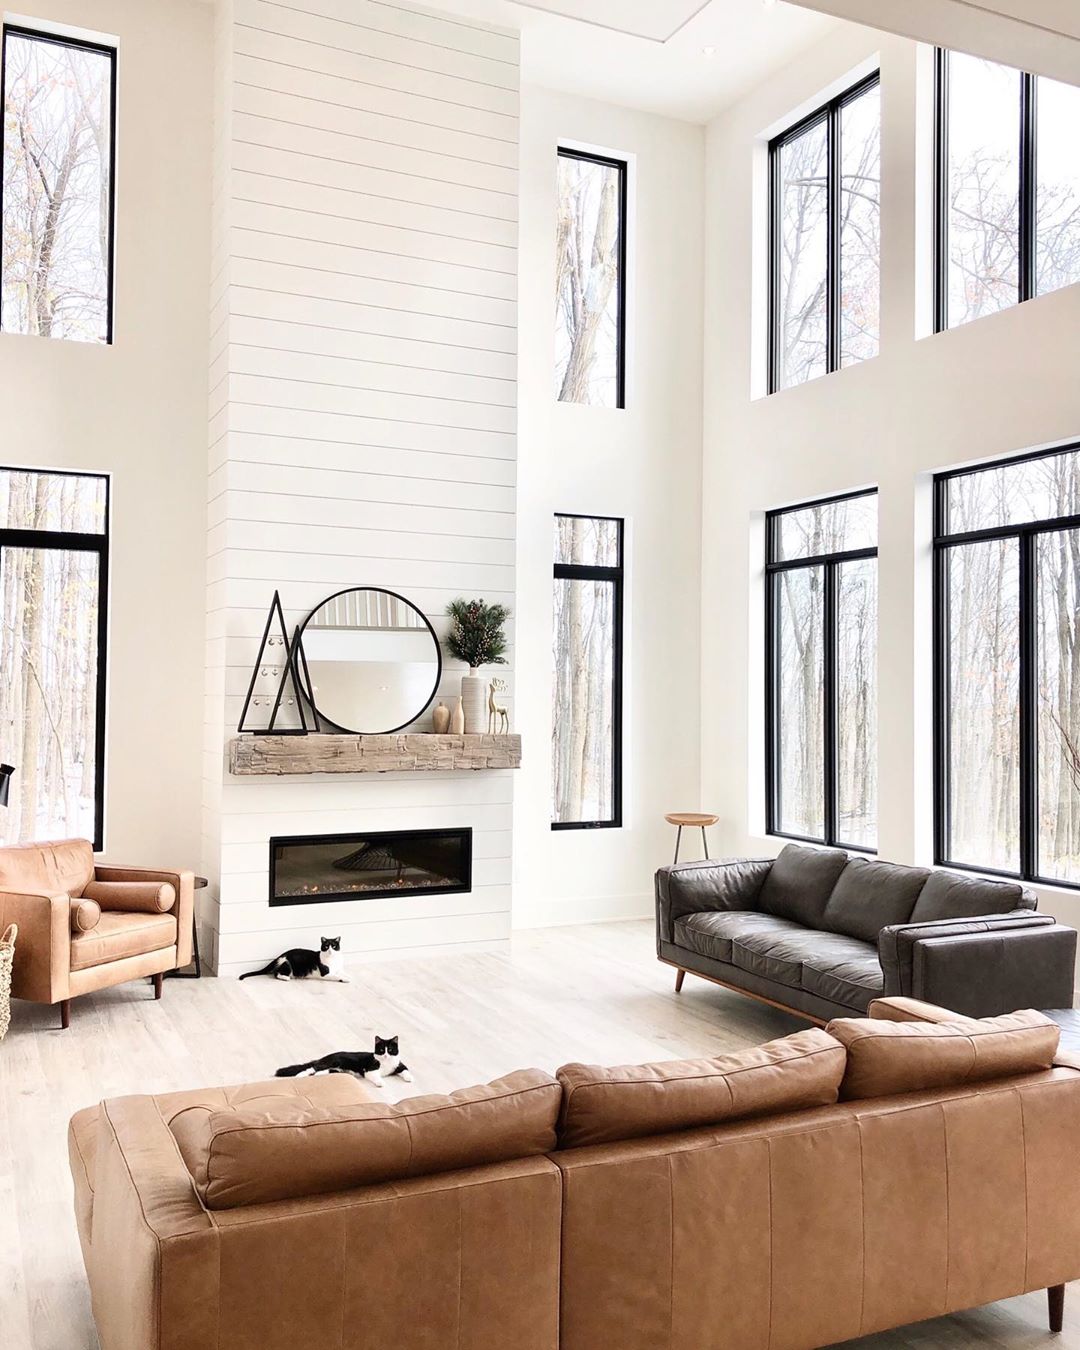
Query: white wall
x,y
362,412
136,410
1001,384
642,463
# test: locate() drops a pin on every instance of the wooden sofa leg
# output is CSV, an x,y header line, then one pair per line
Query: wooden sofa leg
x,y
679,977
65,1014
158,982
1055,1299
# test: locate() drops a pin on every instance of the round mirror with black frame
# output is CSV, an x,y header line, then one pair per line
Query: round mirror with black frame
x,y
368,662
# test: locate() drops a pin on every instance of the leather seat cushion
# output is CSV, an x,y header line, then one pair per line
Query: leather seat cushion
x,y
63,867
830,965
118,935
712,932
871,895
888,1058
850,975
603,1105
947,895
800,882
282,1148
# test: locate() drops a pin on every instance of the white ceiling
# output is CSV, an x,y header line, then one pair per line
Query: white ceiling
x,y
650,53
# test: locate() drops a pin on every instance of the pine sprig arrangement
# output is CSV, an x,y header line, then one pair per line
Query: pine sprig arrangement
x,y
476,635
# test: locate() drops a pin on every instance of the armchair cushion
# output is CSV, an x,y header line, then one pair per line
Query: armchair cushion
x,y
55,868
85,915
949,896
800,881
118,935
885,1058
133,897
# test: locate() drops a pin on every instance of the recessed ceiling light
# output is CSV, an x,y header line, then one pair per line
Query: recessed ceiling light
x,y
708,51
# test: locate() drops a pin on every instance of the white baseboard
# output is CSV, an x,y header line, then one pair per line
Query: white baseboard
x,y
593,909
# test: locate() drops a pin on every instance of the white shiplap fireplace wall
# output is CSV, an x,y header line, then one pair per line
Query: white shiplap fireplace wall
x,y
362,413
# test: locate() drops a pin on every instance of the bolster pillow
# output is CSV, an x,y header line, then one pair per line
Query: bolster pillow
x,y
133,897
85,915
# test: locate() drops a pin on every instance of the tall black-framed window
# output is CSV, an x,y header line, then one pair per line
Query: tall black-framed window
x,y
821,616
1007,187
1007,667
58,186
54,587
586,725
824,238
590,282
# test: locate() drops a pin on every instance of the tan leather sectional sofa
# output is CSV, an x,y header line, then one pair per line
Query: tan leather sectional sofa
x,y
821,1187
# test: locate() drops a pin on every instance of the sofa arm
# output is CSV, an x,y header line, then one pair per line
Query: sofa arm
x,y
897,1009
183,883
43,948
981,967
689,888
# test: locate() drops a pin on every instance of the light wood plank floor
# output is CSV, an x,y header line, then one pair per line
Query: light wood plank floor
x,y
593,993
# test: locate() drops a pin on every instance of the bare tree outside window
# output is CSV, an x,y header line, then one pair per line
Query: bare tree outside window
x,y
825,211
1001,129
53,559
822,697
589,280
587,642
1023,578
57,189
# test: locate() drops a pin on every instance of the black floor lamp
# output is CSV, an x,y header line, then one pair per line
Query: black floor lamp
x,y
6,770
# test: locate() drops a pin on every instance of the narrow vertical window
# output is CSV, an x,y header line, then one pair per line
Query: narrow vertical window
x,y
586,736
821,662
1008,187
824,238
54,553
1007,692
590,280
57,195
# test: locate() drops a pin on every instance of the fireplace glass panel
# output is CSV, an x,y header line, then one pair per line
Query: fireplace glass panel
x,y
312,869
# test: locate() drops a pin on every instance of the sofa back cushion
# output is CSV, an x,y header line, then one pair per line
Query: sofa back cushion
x,y
601,1106
871,895
85,915
947,895
886,1058
63,867
800,882
279,1149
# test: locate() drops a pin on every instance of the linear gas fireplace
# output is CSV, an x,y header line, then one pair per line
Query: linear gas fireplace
x,y
316,868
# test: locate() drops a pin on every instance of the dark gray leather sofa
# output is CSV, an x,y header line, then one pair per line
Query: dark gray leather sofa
x,y
822,934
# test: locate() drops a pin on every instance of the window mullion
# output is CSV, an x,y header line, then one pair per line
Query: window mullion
x,y
941,189
1028,151
832,271
830,623
1028,706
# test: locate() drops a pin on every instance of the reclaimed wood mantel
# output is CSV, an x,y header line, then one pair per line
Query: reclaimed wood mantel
x,y
404,752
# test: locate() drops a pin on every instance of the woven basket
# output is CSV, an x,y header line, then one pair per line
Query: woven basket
x,y
7,956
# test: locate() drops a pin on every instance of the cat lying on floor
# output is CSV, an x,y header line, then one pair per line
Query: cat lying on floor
x,y
298,963
385,1062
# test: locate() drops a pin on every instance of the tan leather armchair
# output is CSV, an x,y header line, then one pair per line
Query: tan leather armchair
x,y
84,926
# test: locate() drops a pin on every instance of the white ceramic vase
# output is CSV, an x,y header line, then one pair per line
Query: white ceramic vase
x,y
474,702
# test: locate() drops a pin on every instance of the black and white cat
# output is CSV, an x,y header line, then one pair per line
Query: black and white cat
x,y
298,963
385,1062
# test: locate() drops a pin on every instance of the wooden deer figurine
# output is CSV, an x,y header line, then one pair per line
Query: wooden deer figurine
x,y
498,717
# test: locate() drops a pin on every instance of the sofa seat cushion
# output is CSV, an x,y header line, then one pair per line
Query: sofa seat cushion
x,y
118,935
847,972
603,1105
800,882
948,895
284,1148
871,895
888,1058
711,933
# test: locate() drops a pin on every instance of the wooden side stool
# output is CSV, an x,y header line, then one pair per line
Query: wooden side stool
x,y
693,819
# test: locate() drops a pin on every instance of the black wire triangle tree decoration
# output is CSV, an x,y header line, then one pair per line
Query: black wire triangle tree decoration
x,y
279,659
